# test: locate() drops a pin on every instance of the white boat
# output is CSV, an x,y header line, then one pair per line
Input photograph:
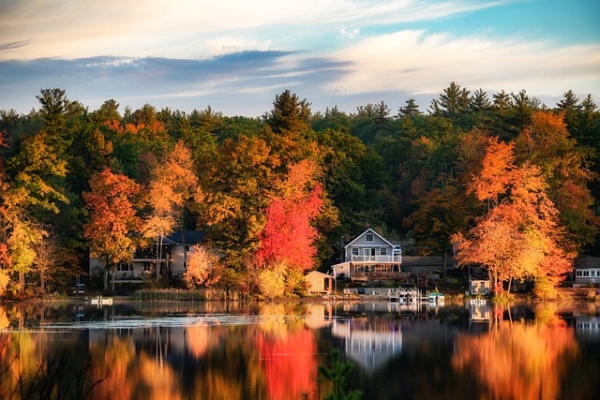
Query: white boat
x,y
436,297
406,293
104,301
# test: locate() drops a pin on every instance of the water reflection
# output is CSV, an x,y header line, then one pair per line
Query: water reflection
x,y
518,360
273,351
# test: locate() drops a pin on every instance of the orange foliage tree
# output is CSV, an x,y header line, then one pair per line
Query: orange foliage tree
x,y
172,184
565,165
203,269
518,361
113,218
519,236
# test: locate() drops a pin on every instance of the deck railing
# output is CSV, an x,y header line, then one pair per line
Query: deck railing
x,y
376,259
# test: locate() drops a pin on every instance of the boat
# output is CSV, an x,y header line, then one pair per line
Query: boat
x,y
103,301
436,297
406,293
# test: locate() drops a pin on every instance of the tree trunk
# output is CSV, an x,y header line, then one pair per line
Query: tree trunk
x,y
114,272
106,269
445,263
157,257
21,281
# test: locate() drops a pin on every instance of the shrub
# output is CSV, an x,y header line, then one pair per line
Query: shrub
x,y
271,282
544,289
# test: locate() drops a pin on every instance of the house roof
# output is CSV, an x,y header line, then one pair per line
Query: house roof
x,y
319,273
369,231
185,237
587,262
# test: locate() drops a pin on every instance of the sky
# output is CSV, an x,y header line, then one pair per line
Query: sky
x,y
237,55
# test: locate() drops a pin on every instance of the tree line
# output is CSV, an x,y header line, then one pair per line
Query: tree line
x,y
504,181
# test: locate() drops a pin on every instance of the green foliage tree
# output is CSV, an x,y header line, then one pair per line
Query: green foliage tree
x,y
411,109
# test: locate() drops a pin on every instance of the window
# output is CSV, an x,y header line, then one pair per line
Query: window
x,y
355,251
370,237
579,273
123,267
383,251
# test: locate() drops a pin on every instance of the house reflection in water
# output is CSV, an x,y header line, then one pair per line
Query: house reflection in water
x,y
587,327
369,342
318,315
480,314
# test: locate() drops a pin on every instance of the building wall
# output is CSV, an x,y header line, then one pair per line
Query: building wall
x,y
361,243
480,287
319,282
180,255
587,275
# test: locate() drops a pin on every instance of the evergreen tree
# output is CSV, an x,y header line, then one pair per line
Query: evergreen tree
x,y
411,109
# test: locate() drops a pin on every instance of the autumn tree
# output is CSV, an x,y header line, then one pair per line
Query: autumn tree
x,y
288,236
113,202
52,259
33,192
204,268
547,143
235,192
520,235
172,185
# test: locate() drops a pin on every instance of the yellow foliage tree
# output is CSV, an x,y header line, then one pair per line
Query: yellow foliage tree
x,y
203,269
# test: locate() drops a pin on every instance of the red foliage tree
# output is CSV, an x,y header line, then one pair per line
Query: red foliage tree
x,y
288,236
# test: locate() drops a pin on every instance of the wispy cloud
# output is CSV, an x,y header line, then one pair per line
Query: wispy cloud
x,y
13,45
180,28
425,63
238,55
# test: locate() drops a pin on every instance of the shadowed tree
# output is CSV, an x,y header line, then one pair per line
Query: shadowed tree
x,y
411,109
289,114
453,101
480,101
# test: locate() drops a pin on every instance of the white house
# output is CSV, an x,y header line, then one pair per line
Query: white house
x,y
587,271
369,256
177,248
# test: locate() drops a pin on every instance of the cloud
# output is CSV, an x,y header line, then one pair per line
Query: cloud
x,y
13,45
135,81
350,34
426,63
185,29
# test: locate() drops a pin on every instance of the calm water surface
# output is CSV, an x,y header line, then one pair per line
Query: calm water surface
x,y
276,351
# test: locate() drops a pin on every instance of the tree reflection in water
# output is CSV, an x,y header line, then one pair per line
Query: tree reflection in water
x,y
274,350
517,360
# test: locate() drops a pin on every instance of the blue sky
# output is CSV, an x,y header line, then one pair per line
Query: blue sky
x,y
235,56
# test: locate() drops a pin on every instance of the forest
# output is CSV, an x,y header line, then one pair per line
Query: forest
x,y
500,180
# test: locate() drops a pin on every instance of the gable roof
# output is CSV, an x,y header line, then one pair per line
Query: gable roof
x,y
369,230
185,237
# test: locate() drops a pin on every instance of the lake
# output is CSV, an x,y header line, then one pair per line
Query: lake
x,y
299,350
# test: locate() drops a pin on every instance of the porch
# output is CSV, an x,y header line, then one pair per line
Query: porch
x,y
376,259
369,270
